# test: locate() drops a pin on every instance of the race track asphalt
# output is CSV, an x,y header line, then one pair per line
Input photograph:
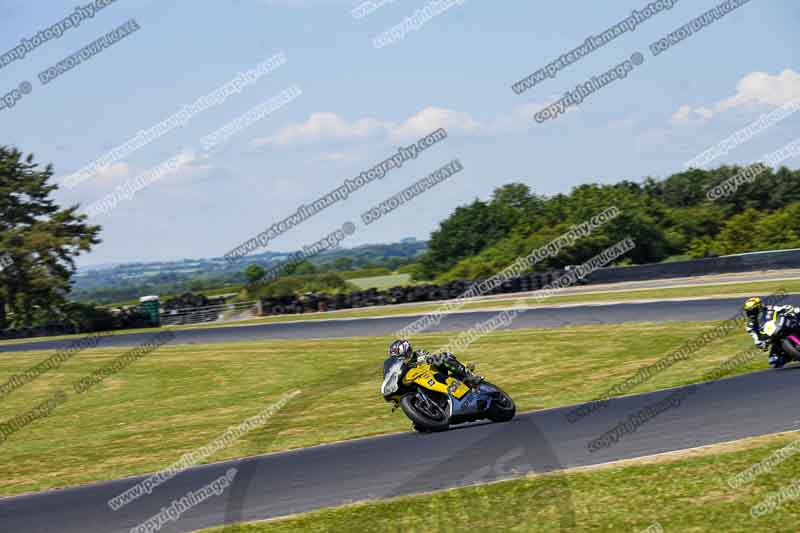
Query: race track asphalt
x,y
380,467
544,317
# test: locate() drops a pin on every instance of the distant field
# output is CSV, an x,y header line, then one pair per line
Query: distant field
x,y
179,398
382,282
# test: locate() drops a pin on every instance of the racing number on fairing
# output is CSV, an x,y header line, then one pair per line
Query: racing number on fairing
x,y
457,389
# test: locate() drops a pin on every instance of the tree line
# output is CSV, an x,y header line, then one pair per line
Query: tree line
x,y
669,219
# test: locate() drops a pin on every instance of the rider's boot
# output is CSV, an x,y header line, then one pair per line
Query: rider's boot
x,y
776,360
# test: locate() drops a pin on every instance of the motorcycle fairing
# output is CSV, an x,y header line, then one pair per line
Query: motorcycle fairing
x,y
423,375
473,402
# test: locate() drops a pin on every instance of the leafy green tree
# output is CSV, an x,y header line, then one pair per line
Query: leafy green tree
x,y
739,234
41,238
329,282
464,233
254,273
753,230
393,263
343,263
702,247
516,196
299,268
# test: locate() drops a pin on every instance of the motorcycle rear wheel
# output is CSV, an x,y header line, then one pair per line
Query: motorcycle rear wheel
x,y
422,419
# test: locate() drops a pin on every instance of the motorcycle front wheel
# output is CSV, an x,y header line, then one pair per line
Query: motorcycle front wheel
x,y
502,408
425,413
790,349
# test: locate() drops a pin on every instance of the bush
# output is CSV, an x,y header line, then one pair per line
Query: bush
x,y
328,282
87,317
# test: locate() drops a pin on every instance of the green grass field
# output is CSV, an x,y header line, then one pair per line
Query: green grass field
x,y
684,492
762,288
382,282
180,398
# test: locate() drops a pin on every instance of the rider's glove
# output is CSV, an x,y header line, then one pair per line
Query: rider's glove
x,y
473,381
762,345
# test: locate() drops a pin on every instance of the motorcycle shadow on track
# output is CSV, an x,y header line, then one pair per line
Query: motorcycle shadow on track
x,y
451,429
485,452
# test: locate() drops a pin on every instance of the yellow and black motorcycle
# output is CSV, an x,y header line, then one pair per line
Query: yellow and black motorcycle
x,y
433,401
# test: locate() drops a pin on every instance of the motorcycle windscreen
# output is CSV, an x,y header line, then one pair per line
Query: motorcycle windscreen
x,y
392,371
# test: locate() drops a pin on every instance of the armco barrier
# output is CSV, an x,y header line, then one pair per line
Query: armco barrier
x,y
727,264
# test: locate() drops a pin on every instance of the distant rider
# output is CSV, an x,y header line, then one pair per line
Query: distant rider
x,y
444,362
758,314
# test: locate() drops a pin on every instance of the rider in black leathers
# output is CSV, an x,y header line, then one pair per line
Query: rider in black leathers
x,y
444,362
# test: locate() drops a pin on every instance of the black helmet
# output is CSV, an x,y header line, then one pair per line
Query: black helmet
x,y
401,348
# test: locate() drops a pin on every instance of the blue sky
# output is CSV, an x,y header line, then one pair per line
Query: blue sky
x,y
359,103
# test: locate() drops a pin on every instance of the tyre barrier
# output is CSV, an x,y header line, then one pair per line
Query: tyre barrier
x,y
188,300
314,302
50,330
190,308
110,321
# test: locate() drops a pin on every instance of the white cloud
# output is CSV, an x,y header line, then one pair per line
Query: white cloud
x,y
113,172
182,168
189,164
761,88
432,118
184,165
323,126
682,115
518,120
686,114
755,89
704,113
327,126
337,157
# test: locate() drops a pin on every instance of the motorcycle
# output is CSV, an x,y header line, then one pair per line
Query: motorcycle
x,y
434,401
787,339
